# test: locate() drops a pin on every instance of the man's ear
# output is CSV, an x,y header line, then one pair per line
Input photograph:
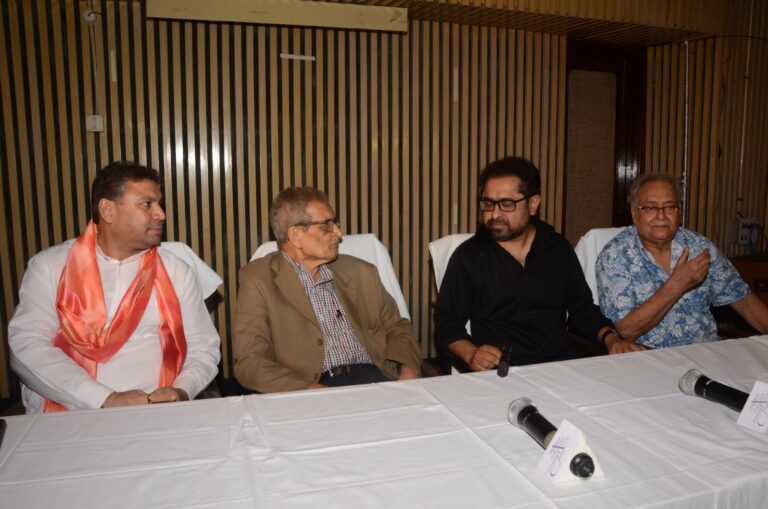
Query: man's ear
x,y
107,210
295,236
533,204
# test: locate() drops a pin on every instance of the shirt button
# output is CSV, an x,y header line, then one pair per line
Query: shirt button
x,y
320,341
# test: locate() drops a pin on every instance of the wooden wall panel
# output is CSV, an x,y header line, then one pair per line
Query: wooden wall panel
x,y
742,156
666,134
394,127
727,124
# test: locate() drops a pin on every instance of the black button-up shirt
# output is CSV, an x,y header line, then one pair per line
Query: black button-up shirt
x,y
523,307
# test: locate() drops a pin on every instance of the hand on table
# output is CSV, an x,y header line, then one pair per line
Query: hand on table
x,y
167,394
126,398
622,345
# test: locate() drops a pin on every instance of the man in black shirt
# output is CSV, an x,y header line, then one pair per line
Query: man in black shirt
x,y
517,281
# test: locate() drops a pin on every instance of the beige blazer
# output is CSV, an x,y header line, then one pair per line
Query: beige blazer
x,y
278,344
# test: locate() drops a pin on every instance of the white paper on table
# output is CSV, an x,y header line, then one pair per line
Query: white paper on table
x,y
567,443
754,415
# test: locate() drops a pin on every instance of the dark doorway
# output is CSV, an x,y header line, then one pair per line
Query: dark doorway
x,y
605,134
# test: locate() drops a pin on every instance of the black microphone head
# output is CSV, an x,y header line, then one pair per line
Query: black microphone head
x,y
502,369
582,465
687,382
516,407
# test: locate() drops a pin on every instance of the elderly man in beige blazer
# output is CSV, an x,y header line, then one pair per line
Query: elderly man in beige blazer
x,y
308,317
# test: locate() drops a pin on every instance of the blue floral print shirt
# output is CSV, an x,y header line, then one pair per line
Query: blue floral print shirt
x,y
628,275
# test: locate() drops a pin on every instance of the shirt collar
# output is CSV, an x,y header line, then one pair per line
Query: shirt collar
x,y
105,257
325,273
678,244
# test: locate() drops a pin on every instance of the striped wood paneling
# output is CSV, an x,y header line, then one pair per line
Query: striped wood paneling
x,y
394,127
666,124
721,183
742,181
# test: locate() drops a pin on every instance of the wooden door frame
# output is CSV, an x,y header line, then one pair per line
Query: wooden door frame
x,y
628,64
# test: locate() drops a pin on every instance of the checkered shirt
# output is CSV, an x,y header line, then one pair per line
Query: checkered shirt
x,y
342,345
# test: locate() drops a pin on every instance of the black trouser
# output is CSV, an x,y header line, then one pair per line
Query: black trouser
x,y
352,374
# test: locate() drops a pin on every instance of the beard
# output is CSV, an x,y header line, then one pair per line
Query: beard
x,y
501,231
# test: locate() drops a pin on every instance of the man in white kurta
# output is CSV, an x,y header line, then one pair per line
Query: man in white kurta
x,y
131,375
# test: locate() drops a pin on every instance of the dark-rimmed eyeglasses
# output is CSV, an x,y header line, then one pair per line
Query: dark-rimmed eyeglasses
x,y
506,205
326,225
650,210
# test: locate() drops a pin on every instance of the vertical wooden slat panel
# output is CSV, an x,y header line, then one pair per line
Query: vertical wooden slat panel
x,y
385,213
483,104
331,108
265,196
308,106
343,155
361,190
445,120
697,132
402,254
458,209
295,111
464,119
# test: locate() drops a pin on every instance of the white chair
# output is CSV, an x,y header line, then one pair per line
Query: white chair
x,y
587,250
440,251
209,280
366,247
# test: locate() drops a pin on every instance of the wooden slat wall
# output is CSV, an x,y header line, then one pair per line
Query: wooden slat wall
x,y
717,70
754,187
394,127
665,122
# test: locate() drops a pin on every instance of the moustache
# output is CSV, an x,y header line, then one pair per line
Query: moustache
x,y
498,220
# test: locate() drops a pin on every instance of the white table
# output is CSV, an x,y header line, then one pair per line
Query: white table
x,y
441,442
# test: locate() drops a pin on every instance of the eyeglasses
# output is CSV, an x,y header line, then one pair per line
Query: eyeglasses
x,y
507,205
667,210
326,225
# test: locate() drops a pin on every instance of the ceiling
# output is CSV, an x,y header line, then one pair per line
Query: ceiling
x,y
590,29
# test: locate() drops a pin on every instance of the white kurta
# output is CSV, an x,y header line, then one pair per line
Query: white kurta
x,y
47,372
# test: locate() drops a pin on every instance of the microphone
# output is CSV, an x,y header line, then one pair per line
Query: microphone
x,y
694,383
524,414
503,368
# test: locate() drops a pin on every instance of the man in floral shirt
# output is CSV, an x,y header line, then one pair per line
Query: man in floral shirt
x,y
656,280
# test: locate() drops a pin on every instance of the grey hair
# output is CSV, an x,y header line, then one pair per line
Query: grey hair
x,y
290,207
653,177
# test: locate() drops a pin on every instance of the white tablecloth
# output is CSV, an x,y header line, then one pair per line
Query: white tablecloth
x,y
441,442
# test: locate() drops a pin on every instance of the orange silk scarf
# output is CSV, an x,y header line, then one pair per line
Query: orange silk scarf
x,y
82,312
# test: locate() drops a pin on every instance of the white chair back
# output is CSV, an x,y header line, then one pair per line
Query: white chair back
x,y
587,250
366,247
441,250
209,280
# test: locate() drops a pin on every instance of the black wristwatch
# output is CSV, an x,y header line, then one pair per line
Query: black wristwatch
x,y
607,333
